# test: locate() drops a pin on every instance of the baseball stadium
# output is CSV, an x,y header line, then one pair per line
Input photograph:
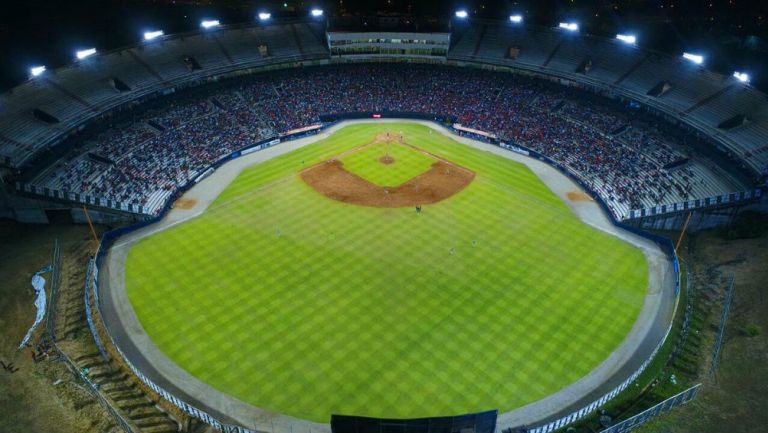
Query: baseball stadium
x,y
304,225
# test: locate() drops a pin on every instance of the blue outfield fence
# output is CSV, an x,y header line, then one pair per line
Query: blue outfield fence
x,y
109,237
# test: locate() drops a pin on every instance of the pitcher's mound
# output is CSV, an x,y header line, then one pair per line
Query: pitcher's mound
x,y
384,137
386,160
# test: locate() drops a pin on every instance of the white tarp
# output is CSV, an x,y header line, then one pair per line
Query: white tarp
x,y
38,283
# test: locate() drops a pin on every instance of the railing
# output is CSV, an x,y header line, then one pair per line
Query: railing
x,y
90,275
702,203
50,322
109,237
73,197
644,416
588,409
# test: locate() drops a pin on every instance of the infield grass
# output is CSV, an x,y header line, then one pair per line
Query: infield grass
x,y
407,163
298,304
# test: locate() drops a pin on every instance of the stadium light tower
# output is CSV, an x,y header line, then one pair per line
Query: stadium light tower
x,y
148,36
627,39
571,27
85,53
695,58
462,13
209,24
264,16
36,70
316,13
742,76
517,19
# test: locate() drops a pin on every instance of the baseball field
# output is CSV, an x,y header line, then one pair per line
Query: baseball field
x,y
386,271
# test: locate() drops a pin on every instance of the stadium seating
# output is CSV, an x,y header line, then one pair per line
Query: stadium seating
x,y
82,91
175,142
161,149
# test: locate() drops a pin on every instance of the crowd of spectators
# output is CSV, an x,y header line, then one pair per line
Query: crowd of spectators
x,y
159,150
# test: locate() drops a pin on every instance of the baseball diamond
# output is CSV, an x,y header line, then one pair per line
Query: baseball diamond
x,y
295,295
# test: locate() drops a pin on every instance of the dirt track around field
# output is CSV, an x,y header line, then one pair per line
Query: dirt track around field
x,y
440,182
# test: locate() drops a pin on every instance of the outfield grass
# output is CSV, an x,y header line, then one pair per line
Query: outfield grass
x,y
492,299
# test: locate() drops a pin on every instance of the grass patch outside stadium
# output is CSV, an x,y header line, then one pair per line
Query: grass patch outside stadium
x,y
490,299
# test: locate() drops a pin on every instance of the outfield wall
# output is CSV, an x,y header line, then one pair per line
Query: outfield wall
x,y
552,417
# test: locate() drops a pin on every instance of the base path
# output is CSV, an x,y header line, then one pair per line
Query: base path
x,y
121,321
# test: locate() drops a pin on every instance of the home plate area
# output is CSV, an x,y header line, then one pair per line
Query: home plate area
x,y
441,180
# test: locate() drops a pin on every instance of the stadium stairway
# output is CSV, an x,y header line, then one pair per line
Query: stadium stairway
x,y
116,384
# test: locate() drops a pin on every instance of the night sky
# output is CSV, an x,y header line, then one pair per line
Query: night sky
x,y
731,33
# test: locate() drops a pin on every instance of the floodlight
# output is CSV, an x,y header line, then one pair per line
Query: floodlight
x,y
85,53
628,39
695,58
316,12
264,16
572,27
516,18
36,70
148,36
741,76
461,14
207,24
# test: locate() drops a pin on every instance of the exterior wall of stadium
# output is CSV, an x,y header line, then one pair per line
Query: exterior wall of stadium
x,y
639,346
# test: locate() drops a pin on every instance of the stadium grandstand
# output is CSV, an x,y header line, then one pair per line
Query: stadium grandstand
x,y
148,155
631,165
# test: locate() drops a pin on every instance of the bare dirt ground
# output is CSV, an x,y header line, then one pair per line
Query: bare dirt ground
x,y
388,137
185,203
43,396
578,196
735,400
441,181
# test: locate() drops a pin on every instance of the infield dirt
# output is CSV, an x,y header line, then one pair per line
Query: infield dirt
x,y
441,181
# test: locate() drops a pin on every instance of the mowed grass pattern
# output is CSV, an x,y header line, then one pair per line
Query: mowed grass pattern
x,y
366,163
492,299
